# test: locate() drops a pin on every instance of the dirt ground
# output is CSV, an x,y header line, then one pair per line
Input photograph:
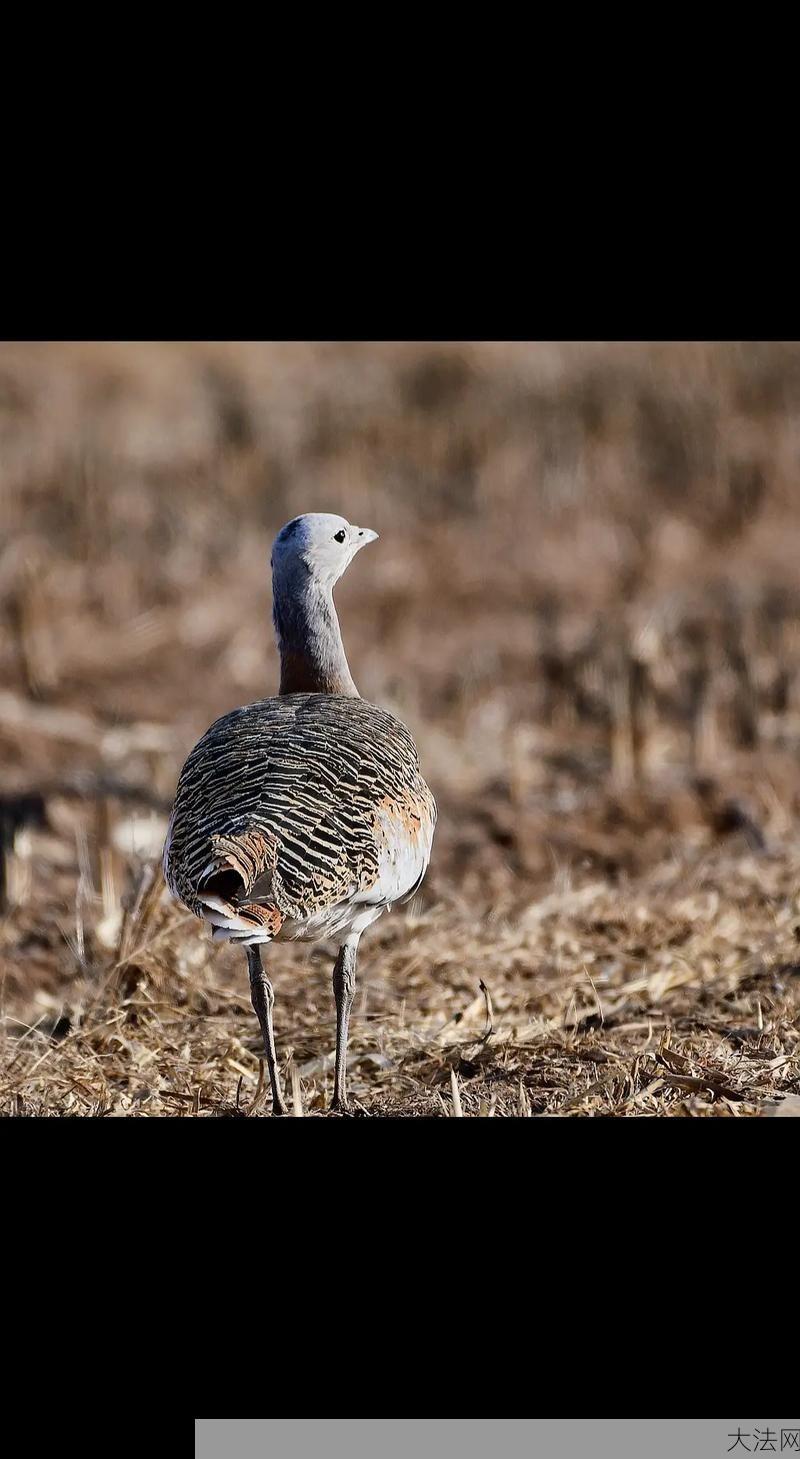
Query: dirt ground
x,y
585,603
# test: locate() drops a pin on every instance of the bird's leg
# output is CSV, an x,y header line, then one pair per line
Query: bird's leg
x,y
344,987
263,999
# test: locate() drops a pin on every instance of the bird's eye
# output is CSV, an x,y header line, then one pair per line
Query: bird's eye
x,y
340,536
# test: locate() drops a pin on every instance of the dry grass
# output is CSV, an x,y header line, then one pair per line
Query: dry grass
x,y
585,603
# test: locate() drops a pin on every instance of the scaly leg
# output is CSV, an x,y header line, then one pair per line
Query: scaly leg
x,y
263,999
344,987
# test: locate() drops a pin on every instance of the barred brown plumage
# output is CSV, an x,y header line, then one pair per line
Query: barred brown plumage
x,y
289,792
306,814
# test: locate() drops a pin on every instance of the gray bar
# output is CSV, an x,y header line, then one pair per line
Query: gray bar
x,y
494,1438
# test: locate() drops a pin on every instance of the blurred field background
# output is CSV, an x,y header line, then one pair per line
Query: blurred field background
x,y
585,603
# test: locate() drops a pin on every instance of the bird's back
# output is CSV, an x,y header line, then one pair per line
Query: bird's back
x,y
293,807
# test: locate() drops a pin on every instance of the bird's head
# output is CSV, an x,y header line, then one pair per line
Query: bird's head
x,y
319,544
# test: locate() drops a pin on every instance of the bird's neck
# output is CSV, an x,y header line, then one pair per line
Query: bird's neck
x,y
313,660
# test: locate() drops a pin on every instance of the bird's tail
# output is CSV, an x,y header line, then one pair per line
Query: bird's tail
x,y
236,890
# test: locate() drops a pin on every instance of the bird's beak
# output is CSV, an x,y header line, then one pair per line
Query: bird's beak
x,y
363,535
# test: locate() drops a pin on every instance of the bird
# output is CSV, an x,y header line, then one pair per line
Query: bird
x,y
304,815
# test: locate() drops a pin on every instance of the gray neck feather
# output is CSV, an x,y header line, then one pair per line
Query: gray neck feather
x,y
313,659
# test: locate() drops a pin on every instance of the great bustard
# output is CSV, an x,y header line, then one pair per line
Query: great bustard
x,y
304,815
